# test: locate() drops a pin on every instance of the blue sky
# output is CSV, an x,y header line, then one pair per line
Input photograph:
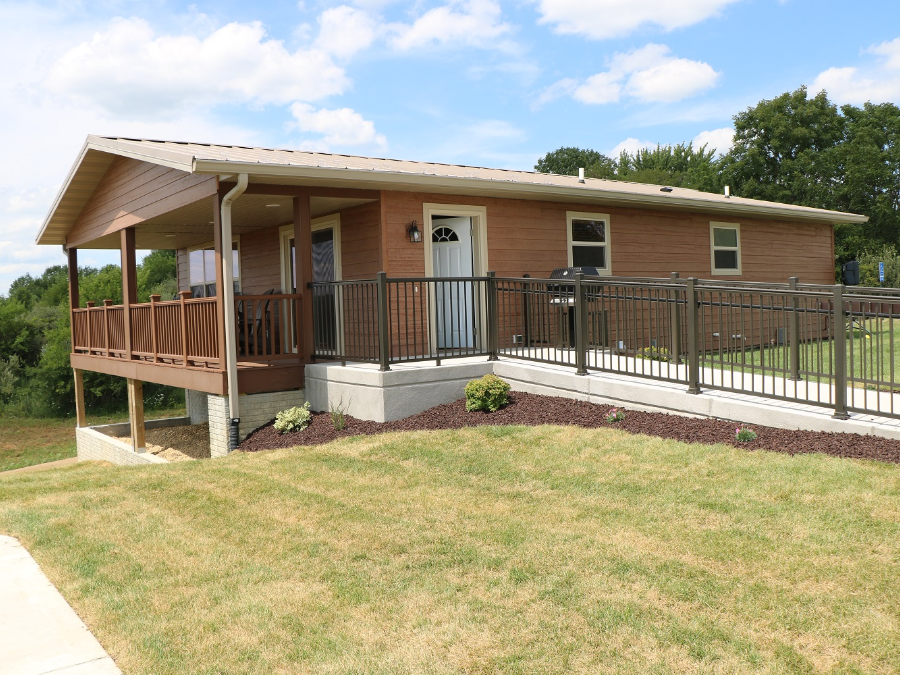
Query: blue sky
x,y
467,81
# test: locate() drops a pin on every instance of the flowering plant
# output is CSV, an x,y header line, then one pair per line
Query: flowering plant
x,y
744,435
615,415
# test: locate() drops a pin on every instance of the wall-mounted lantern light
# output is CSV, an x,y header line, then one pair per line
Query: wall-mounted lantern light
x,y
415,235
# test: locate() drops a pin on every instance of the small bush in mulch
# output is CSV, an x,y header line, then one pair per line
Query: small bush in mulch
x,y
531,409
488,393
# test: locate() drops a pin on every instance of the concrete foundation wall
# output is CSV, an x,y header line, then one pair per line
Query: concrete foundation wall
x,y
94,445
197,405
408,390
368,394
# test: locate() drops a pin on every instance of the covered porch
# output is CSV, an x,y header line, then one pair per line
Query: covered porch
x,y
240,325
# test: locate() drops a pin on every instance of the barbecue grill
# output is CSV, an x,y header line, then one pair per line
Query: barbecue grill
x,y
563,297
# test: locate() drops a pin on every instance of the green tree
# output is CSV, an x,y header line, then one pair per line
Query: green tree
x,y
157,274
567,161
869,161
785,150
675,165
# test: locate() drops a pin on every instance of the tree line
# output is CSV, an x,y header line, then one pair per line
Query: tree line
x,y
793,149
35,373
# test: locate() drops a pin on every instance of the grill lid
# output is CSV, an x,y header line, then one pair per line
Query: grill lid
x,y
568,273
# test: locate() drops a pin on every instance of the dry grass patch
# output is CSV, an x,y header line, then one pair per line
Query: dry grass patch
x,y
497,549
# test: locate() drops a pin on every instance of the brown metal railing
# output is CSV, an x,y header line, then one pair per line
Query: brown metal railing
x,y
807,343
388,321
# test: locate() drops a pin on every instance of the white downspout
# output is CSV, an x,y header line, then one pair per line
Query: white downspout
x,y
234,410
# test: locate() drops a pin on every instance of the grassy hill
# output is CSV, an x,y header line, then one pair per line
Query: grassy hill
x,y
497,549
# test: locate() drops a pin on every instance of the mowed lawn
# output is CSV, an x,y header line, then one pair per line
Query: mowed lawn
x,y
25,441
484,550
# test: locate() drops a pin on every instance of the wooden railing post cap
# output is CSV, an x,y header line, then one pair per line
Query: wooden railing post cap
x,y
186,295
155,298
107,302
91,303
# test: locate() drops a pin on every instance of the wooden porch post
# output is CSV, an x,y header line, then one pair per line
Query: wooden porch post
x,y
220,296
80,417
129,283
136,414
303,267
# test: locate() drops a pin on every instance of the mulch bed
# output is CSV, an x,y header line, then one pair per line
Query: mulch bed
x,y
532,409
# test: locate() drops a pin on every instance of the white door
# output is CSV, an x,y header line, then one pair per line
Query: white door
x,y
451,245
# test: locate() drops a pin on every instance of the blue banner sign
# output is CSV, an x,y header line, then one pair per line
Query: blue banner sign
x,y
881,272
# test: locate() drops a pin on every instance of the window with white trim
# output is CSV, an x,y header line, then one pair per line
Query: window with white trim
x,y
202,270
725,247
589,240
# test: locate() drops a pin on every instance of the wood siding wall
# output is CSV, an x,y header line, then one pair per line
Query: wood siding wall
x,y
530,237
132,191
261,252
361,241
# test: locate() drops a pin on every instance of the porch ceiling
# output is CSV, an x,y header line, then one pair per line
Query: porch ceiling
x,y
191,225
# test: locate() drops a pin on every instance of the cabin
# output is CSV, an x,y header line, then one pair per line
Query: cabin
x,y
289,258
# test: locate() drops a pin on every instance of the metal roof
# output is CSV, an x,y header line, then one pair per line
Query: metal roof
x,y
295,167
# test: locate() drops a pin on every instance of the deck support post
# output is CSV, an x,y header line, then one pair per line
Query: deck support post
x,y
74,301
80,416
303,269
136,414
129,283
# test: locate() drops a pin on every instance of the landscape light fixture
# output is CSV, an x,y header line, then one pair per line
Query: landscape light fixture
x,y
415,235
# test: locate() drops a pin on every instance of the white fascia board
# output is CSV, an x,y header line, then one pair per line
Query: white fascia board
x,y
734,205
183,161
62,191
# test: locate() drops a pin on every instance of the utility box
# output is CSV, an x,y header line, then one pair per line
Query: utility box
x,y
850,273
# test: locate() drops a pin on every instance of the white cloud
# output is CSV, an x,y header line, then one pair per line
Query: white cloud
x,y
876,82
344,31
342,127
602,19
130,71
719,140
563,87
630,145
650,74
467,22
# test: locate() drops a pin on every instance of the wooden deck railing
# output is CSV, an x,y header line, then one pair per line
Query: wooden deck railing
x,y
267,326
185,332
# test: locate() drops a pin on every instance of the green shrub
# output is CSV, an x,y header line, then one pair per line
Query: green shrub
x,y
744,434
653,353
487,393
293,419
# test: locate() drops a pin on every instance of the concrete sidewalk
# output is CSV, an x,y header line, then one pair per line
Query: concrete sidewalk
x,y
39,632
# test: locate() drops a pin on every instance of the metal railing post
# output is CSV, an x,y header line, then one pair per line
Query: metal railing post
x,y
580,325
493,320
839,344
794,331
690,294
675,326
384,347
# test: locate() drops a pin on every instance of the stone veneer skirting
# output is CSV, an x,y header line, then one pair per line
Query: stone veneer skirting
x,y
256,410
